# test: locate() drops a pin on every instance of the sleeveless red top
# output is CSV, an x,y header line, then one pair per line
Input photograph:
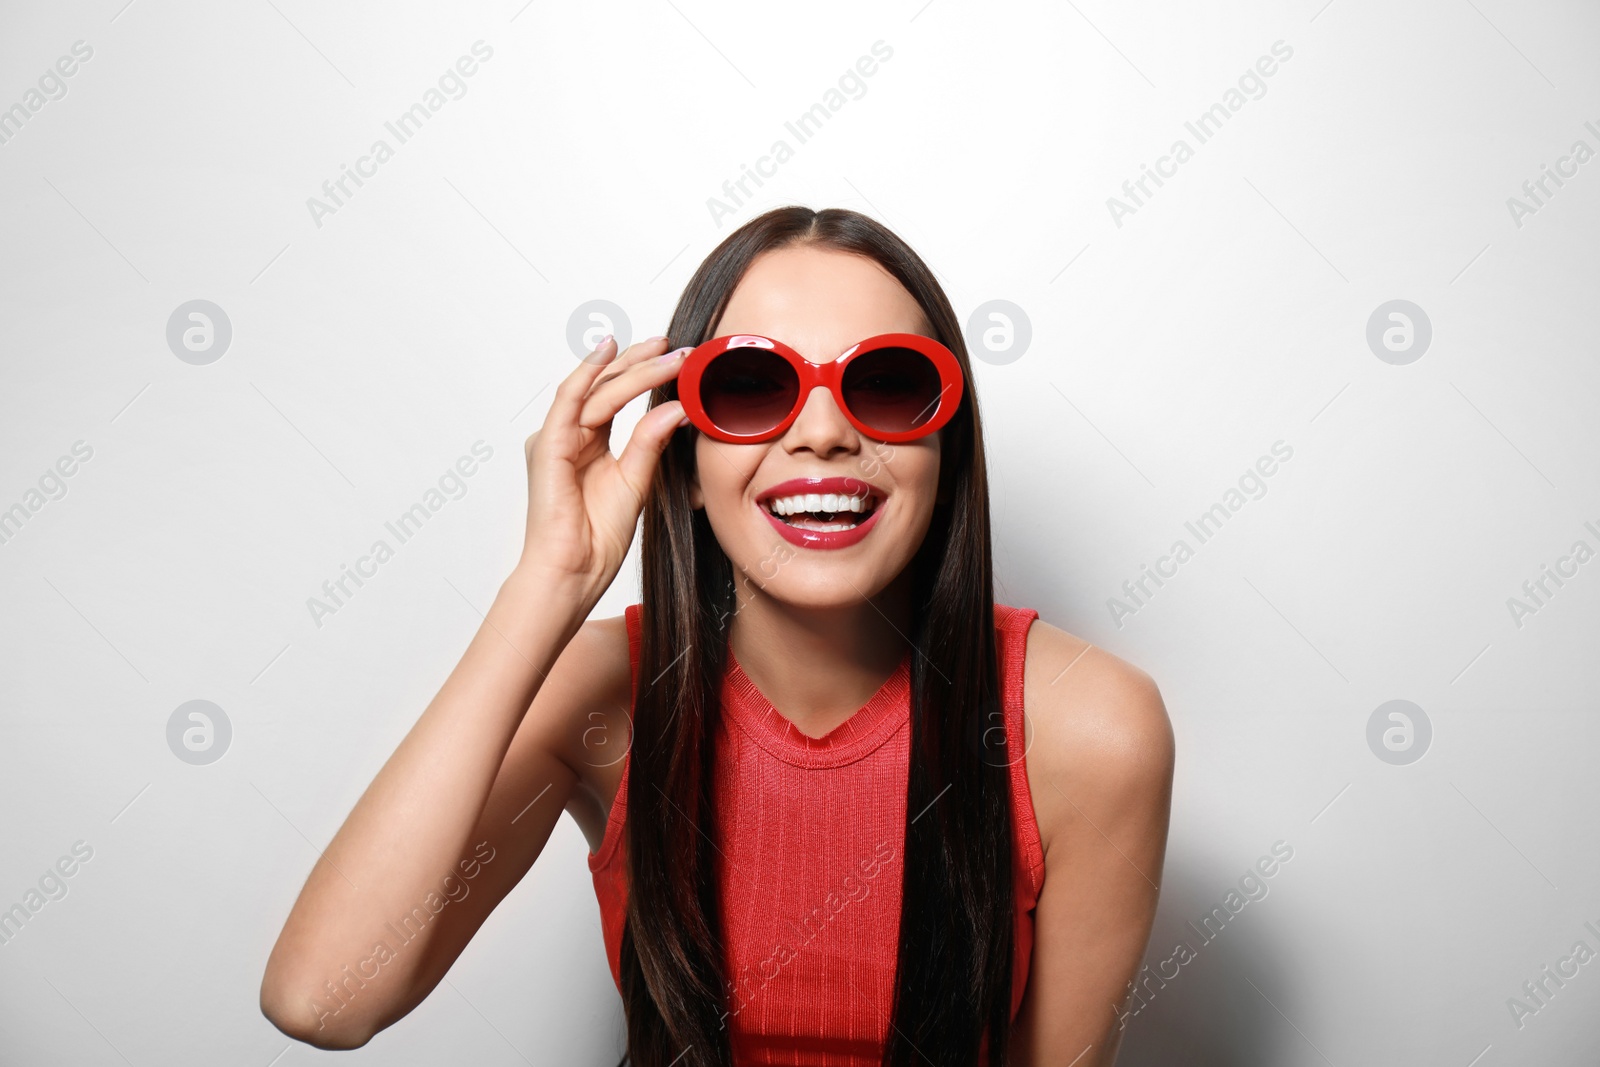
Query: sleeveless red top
x,y
810,833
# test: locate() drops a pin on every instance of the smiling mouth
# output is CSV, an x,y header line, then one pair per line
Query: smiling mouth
x,y
823,512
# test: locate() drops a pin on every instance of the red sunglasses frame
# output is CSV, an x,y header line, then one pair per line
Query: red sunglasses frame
x,y
828,375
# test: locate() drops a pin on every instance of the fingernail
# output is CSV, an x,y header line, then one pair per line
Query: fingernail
x,y
657,337
602,343
683,421
677,353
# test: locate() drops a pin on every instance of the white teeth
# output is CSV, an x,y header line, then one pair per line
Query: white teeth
x,y
805,502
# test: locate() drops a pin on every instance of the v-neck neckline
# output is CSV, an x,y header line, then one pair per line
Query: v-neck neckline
x,y
867,728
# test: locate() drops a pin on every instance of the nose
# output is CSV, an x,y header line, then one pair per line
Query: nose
x,y
821,427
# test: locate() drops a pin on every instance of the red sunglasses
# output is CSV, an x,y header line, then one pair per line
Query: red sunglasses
x,y
745,388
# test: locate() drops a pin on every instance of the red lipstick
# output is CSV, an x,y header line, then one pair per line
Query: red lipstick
x,y
823,539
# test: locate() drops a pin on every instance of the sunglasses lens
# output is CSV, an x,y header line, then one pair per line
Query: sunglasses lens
x,y
748,390
892,389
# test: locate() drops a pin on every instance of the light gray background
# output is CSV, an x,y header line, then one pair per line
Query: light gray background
x,y
1167,354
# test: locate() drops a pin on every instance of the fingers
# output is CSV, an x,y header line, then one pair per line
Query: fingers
x,y
642,455
635,354
568,400
610,395
570,395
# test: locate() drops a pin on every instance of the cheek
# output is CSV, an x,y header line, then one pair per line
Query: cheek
x,y
723,474
916,476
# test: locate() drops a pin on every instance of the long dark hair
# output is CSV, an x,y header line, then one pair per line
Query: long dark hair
x,y
953,973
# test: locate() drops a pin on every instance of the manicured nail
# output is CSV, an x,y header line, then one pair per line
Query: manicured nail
x,y
683,421
657,337
602,343
677,353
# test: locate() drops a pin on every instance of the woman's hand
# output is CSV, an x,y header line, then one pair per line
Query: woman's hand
x,y
583,502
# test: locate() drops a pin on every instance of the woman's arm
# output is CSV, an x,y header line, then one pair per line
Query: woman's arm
x,y
1100,772
434,814
449,802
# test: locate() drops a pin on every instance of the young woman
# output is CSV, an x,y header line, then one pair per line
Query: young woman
x,y
844,808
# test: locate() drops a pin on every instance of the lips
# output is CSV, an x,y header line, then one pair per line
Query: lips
x,y
854,506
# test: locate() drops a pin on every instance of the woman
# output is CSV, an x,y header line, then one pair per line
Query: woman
x,y
832,836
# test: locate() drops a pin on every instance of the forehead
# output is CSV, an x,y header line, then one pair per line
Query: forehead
x,y
819,301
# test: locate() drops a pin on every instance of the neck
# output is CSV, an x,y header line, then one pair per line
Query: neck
x,y
818,666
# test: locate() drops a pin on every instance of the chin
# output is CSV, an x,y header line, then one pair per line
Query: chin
x,y
817,579
821,590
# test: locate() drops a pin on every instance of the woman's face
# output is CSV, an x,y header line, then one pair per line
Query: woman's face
x,y
819,302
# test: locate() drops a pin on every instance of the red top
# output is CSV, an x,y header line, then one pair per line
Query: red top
x,y
809,868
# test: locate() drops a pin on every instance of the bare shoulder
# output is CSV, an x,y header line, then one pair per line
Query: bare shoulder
x,y
1102,747
591,683
582,717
